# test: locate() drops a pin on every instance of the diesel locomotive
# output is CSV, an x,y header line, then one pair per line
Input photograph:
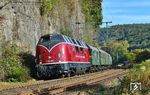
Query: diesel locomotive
x,y
58,54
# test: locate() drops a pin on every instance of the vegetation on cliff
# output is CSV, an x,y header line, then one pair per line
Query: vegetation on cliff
x,y
66,32
92,11
13,66
47,6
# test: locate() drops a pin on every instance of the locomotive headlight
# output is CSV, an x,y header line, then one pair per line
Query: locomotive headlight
x,y
40,62
59,55
49,57
40,59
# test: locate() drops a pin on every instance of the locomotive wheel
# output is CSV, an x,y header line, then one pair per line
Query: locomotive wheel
x,y
63,75
38,76
84,72
68,74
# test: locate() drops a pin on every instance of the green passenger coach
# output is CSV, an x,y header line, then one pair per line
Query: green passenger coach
x,y
94,52
99,58
105,58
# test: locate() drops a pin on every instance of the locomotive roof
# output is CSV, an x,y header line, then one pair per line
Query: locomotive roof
x,y
67,39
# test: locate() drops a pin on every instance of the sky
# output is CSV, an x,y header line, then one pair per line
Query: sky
x,y
126,11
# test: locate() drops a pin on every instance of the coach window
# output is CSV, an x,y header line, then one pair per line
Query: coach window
x,y
77,50
97,55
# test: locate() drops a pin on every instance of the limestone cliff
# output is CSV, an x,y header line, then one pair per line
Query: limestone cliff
x,y
24,21
21,21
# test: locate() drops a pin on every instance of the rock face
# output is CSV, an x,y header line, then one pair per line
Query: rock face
x,y
22,23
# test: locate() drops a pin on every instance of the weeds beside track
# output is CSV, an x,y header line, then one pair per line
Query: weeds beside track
x,y
56,86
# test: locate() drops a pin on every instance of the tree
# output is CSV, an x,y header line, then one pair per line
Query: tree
x,y
118,51
142,56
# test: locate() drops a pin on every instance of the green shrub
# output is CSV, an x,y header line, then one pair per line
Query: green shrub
x,y
10,64
130,56
139,73
119,51
123,87
27,60
142,56
18,74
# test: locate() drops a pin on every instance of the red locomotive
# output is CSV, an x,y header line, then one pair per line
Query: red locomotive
x,y
61,55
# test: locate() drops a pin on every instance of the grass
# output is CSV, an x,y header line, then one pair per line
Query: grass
x,y
9,84
139,73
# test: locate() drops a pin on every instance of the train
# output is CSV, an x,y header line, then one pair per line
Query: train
x,y
60,55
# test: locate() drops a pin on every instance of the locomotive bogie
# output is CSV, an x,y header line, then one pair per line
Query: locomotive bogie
x,y
52,70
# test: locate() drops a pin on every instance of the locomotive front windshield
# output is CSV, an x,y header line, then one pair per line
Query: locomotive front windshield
x,y
44,39
50,39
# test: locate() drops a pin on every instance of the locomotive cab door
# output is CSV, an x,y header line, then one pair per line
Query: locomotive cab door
x,y
90,53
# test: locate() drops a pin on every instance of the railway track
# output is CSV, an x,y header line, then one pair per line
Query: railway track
x,y
56,86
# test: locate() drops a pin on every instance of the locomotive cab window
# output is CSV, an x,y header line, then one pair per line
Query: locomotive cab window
x,y
81,50
77,50
56,38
